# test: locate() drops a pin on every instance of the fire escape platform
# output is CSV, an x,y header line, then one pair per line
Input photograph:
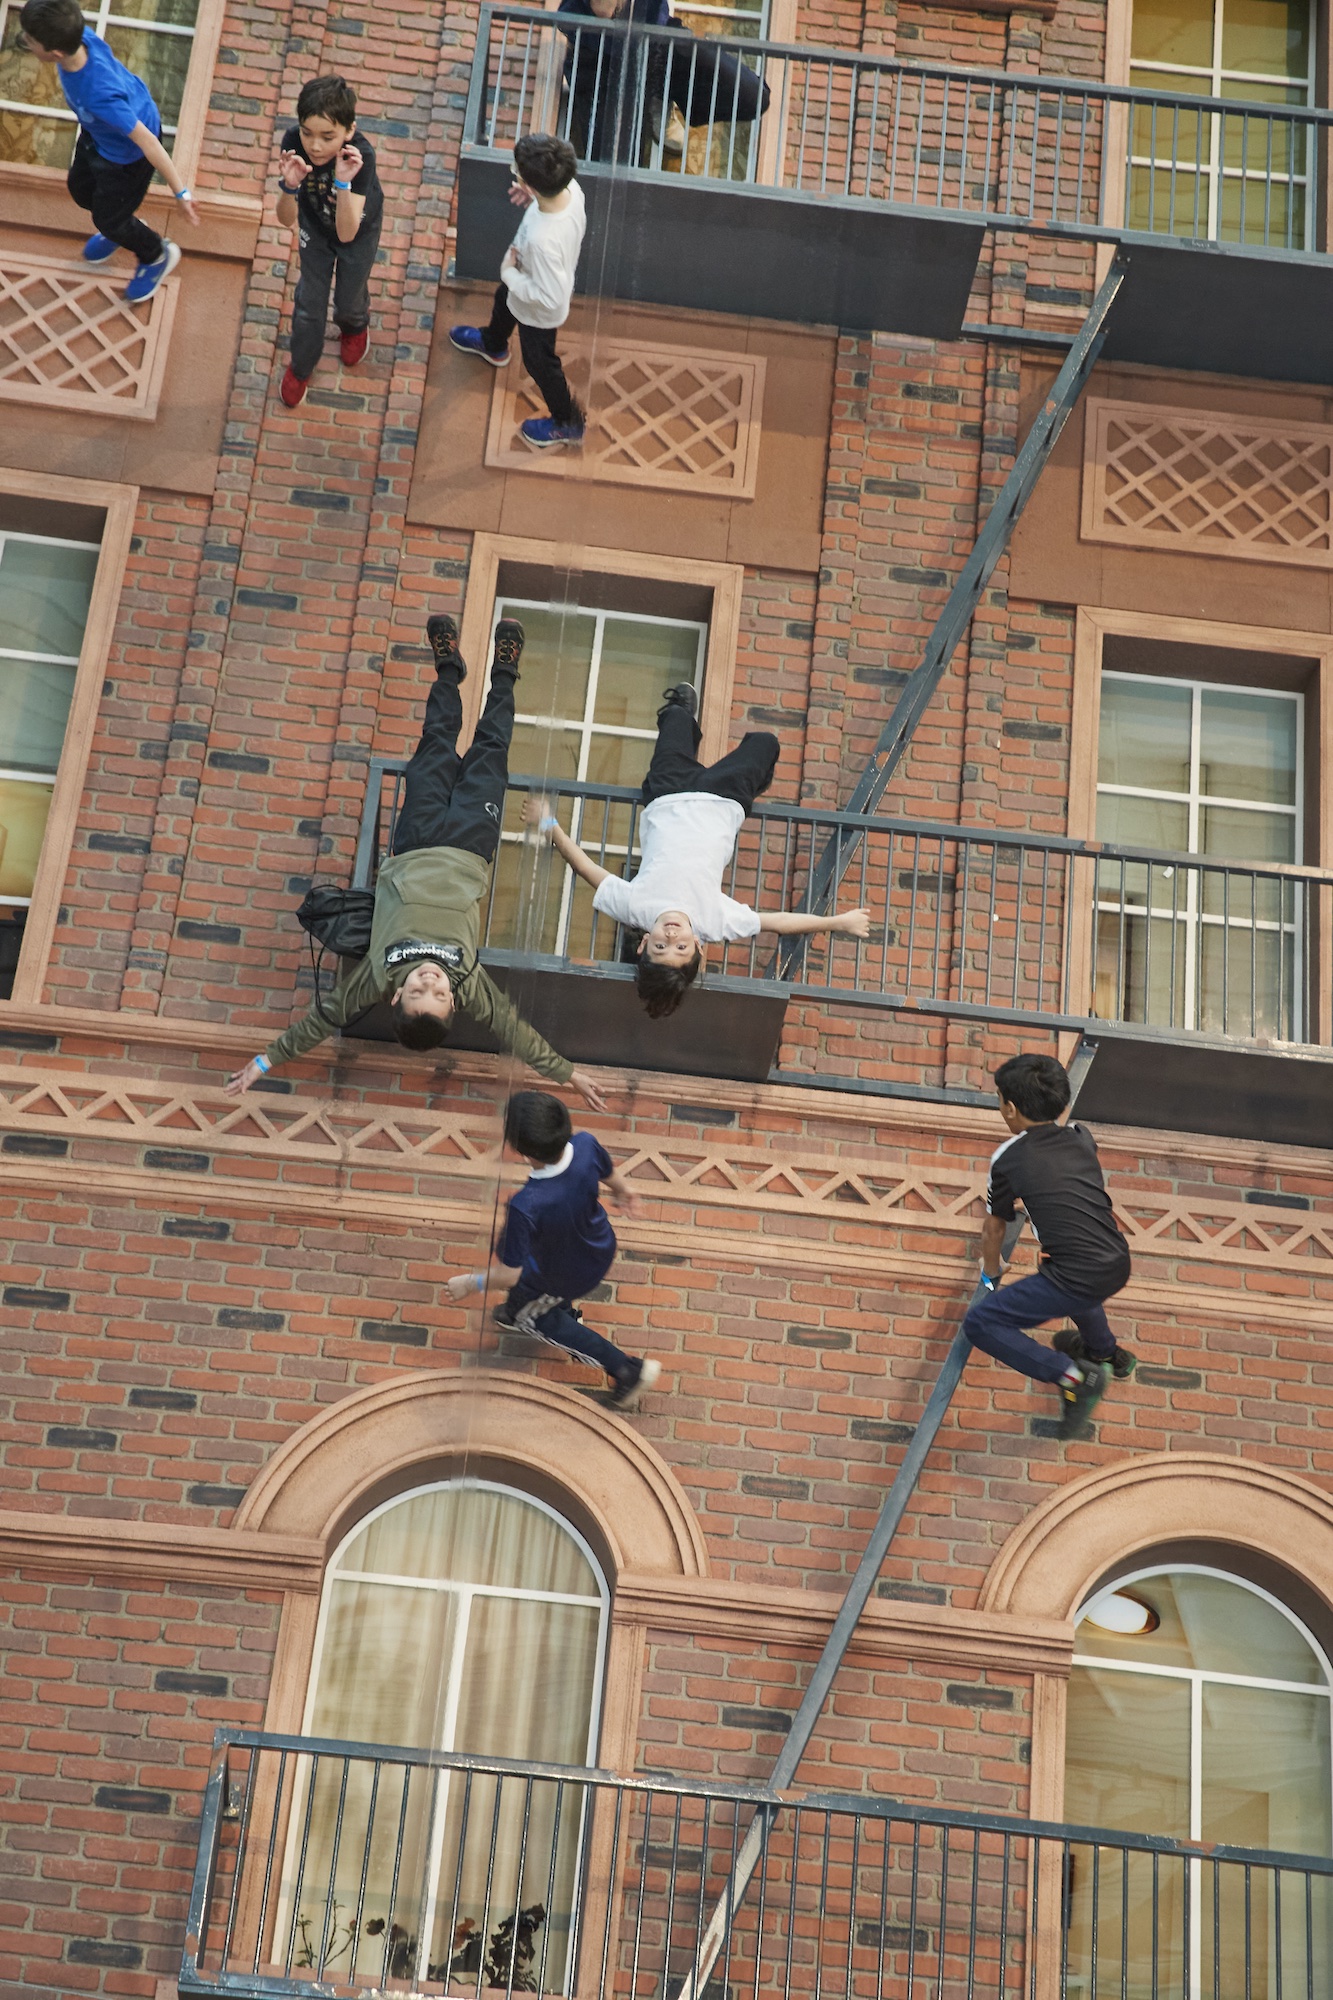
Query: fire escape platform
x,y
1281,1095
734,247
1224,309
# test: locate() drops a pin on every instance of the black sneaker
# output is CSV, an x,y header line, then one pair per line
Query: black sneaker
x,y
508,648
1070,1341
443,636
1081,1398
682,695
627,1392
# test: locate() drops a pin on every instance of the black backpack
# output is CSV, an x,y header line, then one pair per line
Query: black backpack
x,y
339,921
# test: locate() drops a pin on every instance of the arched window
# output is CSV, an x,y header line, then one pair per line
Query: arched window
x,y
1199,1708
462,1616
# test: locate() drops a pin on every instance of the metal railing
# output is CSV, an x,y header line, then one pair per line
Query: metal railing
x,y
1025,927
356,1868
1014,151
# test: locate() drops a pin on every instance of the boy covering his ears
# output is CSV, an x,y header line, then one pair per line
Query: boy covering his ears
x,y
328,189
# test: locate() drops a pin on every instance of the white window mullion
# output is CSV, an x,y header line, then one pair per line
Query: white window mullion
x,y
439,1791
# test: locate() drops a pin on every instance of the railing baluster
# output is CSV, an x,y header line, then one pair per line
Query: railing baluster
x,y
261,1928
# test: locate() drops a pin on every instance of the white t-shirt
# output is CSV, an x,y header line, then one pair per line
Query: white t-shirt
x,y
548,244
686,841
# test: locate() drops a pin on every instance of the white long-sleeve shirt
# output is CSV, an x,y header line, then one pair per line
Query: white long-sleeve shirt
x,y
548,244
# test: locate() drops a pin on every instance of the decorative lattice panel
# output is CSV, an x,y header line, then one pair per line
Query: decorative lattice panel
x,y
685,418
69,340
1206,483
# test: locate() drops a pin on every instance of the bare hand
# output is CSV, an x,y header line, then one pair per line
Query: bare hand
x,y
519,195
536,807
351,163
587,1090
243,1079
461,1287
293,170
188,206
627,1204
854,923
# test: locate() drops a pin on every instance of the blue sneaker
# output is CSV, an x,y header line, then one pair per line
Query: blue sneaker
x,y
542,432
149,276
467,339
99,249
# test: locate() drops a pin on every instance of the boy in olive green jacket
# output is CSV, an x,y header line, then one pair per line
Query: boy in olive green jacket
x,y
424,934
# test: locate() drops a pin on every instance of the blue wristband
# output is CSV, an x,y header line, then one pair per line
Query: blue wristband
x,y
263,1065
343,187
548,823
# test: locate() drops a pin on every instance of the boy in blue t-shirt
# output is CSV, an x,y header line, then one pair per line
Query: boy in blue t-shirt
x,y
119,147
557,1243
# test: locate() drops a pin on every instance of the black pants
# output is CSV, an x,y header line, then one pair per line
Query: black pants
x,y
453,801
344,269
742,774
555,1320
537,344
112,194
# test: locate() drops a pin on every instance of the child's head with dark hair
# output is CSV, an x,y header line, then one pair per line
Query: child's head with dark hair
x,y
1036,1086
330,97
52,27
420,1031
545,164
662,987
537,1125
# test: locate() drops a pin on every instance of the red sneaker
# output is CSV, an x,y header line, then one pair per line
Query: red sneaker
x,y
354,347
292,388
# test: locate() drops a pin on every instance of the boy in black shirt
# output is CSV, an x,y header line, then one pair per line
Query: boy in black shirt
x,y
557,1243
1051,1170
329,186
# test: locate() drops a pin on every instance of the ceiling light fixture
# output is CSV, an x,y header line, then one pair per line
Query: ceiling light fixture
x,y
1127,1616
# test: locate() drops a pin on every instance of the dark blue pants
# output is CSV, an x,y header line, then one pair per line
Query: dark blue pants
x,y
997,1321
555,1320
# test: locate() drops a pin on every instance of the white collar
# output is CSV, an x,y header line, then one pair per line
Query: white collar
x,y
556,1166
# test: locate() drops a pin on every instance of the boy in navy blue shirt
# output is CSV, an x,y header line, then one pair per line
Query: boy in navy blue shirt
x,y
119,147
557,1243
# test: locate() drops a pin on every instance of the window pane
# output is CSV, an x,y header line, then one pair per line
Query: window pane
x,y
384,1664
638,662
557,656
1247,746
177,13
1127,1751
1234,835
1174,31
618,760
34,708
1154,823
23,811
1210,1623
1271,36
1145,735
45,591
1266,1770
551,754
161,60
472,1535
36,142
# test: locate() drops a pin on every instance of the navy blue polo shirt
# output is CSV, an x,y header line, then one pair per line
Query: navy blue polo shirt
x,y
556,1232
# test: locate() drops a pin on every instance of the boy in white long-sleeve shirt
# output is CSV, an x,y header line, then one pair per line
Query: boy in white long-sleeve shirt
x,y
536,284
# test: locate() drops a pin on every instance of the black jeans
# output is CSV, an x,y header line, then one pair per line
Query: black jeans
x,y
112,194
609,97
328,265
537,344
453,801
741,775
555,1320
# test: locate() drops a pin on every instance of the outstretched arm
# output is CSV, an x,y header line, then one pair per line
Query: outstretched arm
x,y
467,1282
795,923
537,813
157,156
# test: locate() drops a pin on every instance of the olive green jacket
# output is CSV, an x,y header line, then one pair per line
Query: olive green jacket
x,y
430,897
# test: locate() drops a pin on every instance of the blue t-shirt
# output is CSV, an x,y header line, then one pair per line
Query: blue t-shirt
x,y
109,101
556,1231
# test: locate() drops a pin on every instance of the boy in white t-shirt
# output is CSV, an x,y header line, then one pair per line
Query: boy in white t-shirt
x,y
537,283
687,835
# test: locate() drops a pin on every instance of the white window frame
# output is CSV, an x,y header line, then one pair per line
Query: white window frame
x,y
11,772
1149,75
464,1593
1189,916
1198,1678
587,728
